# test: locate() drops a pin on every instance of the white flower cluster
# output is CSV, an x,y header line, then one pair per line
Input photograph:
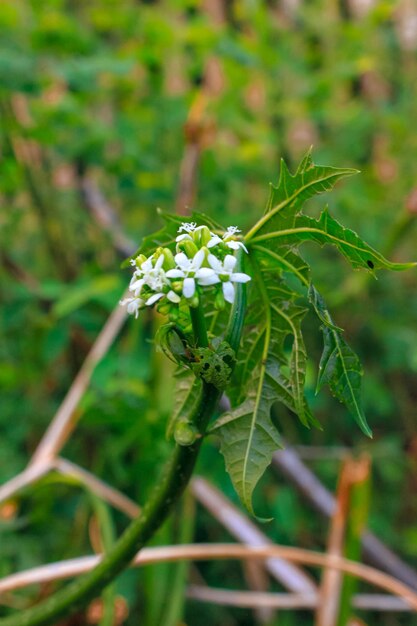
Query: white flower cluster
x,y
202,259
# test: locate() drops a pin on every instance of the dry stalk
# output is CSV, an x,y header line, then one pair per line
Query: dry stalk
x,y
353,471
293,578
295,601
208,552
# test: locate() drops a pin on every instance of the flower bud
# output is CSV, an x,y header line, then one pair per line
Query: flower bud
x,y
140,259
163,308
185,433
169,261
201,236
188,247
176,286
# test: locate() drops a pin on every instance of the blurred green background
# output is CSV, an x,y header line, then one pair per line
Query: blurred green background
x,y
118,96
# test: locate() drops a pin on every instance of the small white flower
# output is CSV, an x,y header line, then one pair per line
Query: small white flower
x,y
133,305
227,276
232,230
187,227
228,239
190,270
153,276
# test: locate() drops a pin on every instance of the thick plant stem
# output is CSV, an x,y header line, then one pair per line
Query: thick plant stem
x,y
199,326
167,491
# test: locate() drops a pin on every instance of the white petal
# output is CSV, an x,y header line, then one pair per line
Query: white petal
x,y
187,226
240,278
207,280
214,241
198,259
137,286
188,288
175,274
154,298
229,263
182,260
234,245
204,271
147,265
228,292
159,262
134,306
182,237
173,297
215,263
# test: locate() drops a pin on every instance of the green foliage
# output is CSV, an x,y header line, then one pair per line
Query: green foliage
x,y
103,89
339,366
267,371
269,368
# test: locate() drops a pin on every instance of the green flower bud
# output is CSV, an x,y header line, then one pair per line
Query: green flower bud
x,y
169,262
176,286
163,308
202,236
188,247
140,259
185,433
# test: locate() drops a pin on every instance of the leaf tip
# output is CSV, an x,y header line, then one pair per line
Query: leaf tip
x,y
367,431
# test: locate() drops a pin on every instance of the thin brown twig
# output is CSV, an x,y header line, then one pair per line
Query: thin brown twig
x,y
105,215
111,495
292,577
29,476
352,472
250,599
66,418
257,580
317,495
208,552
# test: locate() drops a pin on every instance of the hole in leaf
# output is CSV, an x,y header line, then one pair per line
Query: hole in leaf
x,y
370,264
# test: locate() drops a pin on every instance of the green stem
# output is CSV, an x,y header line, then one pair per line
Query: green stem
x,y
155,511
167,491
199,326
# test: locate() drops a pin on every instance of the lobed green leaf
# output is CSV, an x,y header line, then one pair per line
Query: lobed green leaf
x,y
327,230
287,199
340,368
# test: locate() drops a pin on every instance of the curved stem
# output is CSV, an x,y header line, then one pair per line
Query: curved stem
x,y
167,491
